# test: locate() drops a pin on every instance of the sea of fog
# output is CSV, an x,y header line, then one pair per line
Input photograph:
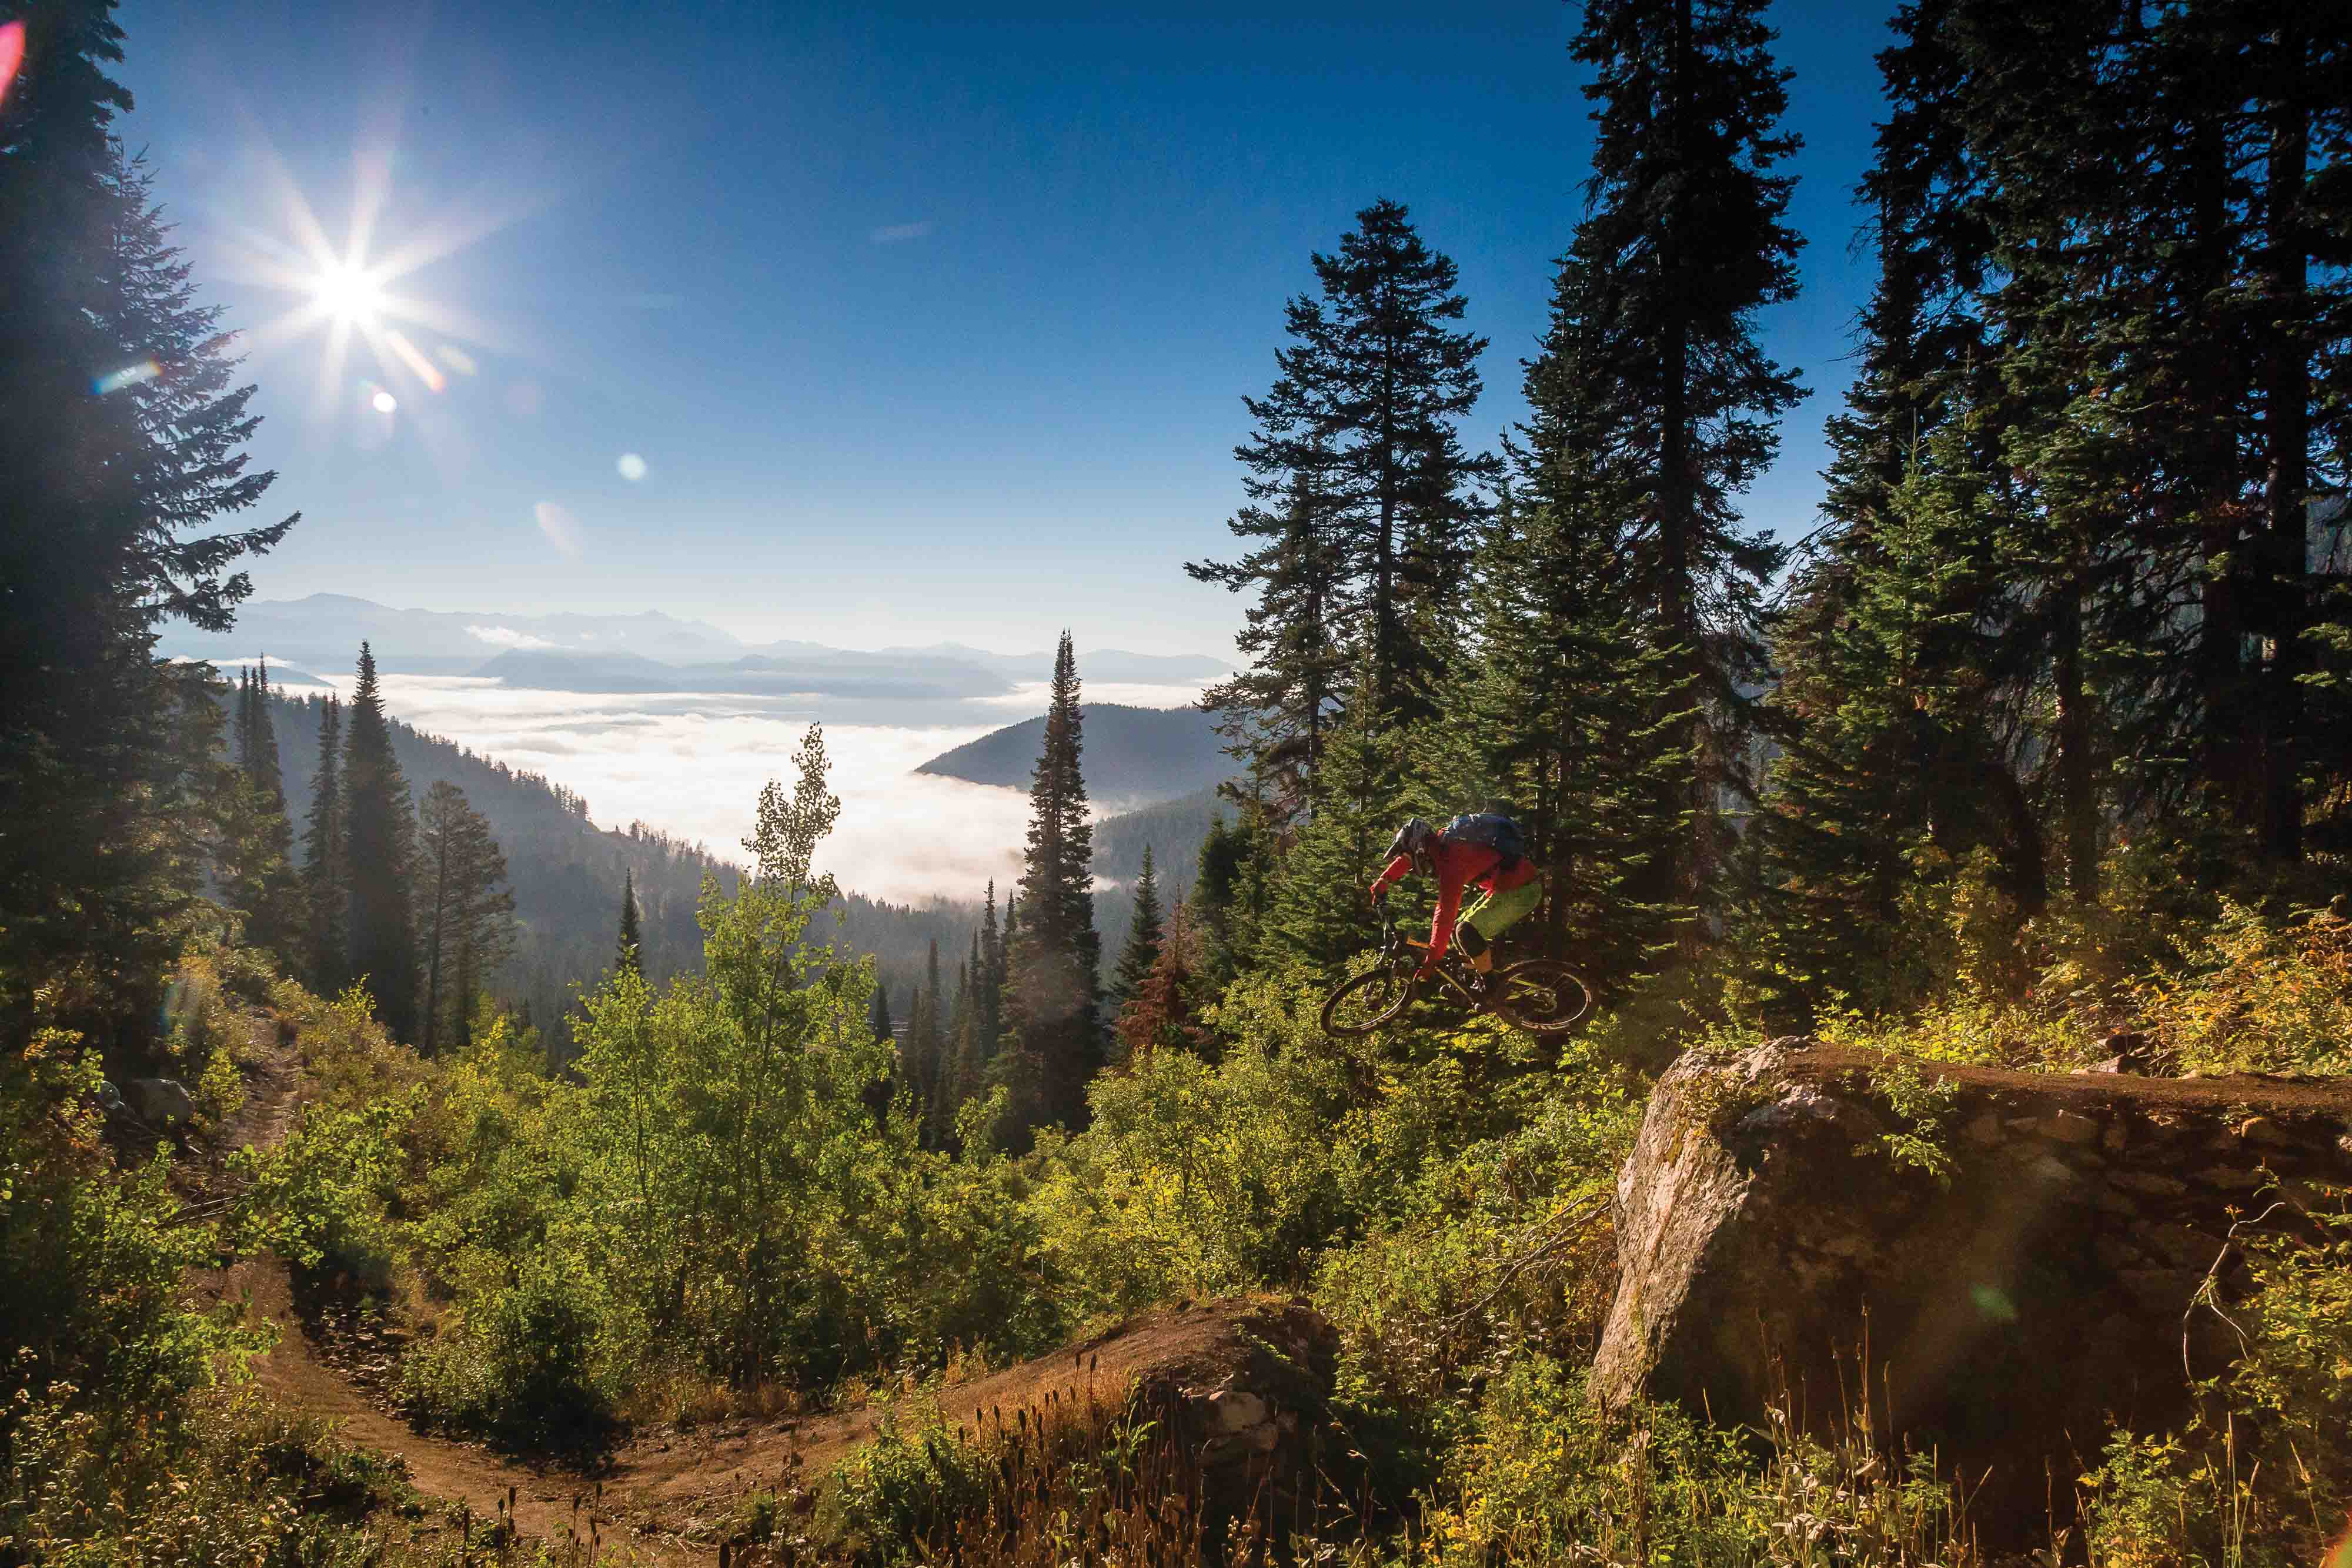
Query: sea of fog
x,y
692,766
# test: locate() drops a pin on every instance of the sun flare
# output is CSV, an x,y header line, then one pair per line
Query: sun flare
x,y
349,294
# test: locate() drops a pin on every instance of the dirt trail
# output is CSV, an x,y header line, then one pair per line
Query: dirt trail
x,y
665,1496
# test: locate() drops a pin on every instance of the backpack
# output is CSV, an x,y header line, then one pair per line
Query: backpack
x,y
1491,829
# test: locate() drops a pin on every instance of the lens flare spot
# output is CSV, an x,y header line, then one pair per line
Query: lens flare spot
x,y
426,371
11,55
457,359
632,466
562,530
128,376
384,403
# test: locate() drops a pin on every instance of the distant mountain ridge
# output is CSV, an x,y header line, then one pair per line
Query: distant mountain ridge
x,y
1131,755
571,652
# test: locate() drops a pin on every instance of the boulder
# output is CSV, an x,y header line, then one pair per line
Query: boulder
x,y
2007,1306
159,1102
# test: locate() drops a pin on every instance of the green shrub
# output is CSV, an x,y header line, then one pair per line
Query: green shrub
x,y
910,1484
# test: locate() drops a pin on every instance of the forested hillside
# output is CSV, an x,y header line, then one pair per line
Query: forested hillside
x,y
1133,754
1852,915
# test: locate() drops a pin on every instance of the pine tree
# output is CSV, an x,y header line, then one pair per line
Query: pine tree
x,y
1142,937
1318,910
464,912
109,523
1373,500
253,842
1682,243
877,1012
326,865
1276,711
628,950
1160,1015
1053,989
973,1043
380,834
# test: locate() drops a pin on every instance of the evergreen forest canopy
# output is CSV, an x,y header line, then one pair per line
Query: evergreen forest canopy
x,y
2044,732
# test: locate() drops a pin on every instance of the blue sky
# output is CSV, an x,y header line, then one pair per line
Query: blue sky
x,y
928,321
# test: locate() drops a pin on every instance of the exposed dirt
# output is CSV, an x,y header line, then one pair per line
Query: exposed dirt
x,y
665,1496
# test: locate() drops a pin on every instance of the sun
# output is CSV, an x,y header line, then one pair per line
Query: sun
x,y
349,294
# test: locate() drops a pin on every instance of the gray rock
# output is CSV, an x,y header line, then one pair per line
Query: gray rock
x,y
160,1101
2011,1310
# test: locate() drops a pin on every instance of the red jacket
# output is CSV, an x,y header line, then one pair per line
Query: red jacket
x,y
1459,865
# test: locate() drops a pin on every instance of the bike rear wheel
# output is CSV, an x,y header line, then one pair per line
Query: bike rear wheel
x,y
1368,1002
1542,996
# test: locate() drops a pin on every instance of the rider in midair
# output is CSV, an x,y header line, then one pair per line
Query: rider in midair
x,y
1510,886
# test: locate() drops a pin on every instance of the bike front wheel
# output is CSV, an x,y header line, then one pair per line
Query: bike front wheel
x,y
1542,996
1368,1002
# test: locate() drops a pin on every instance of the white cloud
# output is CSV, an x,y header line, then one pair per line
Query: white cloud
x,y
507,637
693,766
897,233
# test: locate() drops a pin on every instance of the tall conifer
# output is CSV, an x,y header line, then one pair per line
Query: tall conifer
x,y
1053,992
109,524
463,912
326,864
1142,937
1364,501
380,835
1681,244
628,949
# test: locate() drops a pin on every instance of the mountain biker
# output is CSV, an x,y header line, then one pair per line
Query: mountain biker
x,y
1510,885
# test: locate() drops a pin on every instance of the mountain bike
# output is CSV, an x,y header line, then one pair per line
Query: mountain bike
x,y
1542,996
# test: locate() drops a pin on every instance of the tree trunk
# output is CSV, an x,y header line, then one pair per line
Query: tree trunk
x,y
2077,782
1677,497
2287,395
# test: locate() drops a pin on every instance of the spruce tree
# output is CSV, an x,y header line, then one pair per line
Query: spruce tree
x,y
877,1012
1142,937
380,836
254,842
628,949
1318,910
326,864
1683,242
1052,992
109,524
1364,499
463,912
1278,710
1161,1014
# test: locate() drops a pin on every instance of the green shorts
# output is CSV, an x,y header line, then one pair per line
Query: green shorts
x,y
1496,912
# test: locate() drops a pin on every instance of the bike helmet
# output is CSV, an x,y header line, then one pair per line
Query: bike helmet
x,y
1415,839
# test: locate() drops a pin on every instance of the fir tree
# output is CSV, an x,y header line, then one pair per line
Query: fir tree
x,y
326,865
254,842
464,912
877,1012
1318,910
379,833
628,950
1160,1015
1682,243
1053,989
1142,937
1278,710
1373,500
110,523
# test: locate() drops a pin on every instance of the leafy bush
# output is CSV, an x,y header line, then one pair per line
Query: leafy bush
x,y
227,1482
910,1483
2259,993
1551,1479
